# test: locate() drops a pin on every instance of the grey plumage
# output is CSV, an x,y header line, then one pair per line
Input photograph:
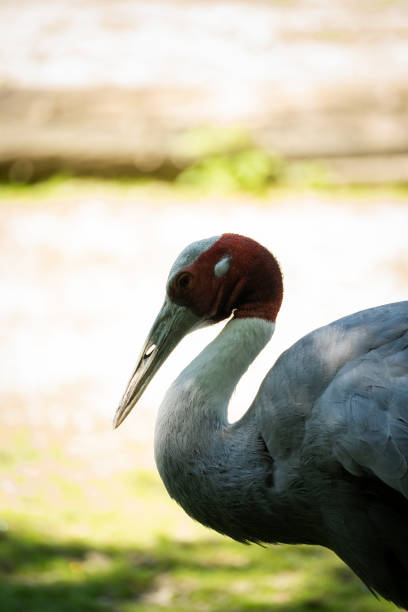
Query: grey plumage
x,y
321,455
342,443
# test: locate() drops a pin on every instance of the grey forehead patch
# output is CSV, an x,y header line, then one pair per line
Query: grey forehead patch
x,y
190,254
222,266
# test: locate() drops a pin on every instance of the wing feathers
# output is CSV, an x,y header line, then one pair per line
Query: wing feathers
x,y
371,399
340,394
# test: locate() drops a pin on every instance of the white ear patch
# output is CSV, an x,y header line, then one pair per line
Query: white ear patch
x,y
222,266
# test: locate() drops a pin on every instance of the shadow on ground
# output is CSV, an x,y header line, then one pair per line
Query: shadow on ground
x,y
41,576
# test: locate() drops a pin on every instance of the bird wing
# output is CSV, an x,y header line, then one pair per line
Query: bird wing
x,y
363,414
340,394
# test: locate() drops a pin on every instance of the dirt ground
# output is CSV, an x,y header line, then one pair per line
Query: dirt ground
x,y
83,274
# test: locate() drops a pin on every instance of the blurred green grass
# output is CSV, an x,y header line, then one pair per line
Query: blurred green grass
x,y
60,187
208,160
74,538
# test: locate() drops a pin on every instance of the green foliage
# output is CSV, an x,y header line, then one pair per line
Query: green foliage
x,y
206,141
314,174
226,161
214,160
250,170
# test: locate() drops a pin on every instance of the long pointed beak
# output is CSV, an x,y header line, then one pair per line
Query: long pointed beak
x,y
171,325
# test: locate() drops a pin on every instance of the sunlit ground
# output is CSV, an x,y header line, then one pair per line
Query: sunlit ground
x,y
85,523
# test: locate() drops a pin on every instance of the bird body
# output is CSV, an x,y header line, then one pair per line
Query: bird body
x,y
320,457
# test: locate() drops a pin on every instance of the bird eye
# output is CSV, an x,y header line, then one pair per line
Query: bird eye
x,y
184,281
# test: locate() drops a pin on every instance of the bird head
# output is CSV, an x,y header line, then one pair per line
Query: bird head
x,y
211,280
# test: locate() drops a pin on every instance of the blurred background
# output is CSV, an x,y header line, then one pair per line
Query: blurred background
x,y
128,130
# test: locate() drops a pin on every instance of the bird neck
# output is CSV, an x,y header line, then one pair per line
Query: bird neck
x,y
195,408
202,391
192,432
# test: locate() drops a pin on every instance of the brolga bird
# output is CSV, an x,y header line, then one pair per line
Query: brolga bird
x,y
320,457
